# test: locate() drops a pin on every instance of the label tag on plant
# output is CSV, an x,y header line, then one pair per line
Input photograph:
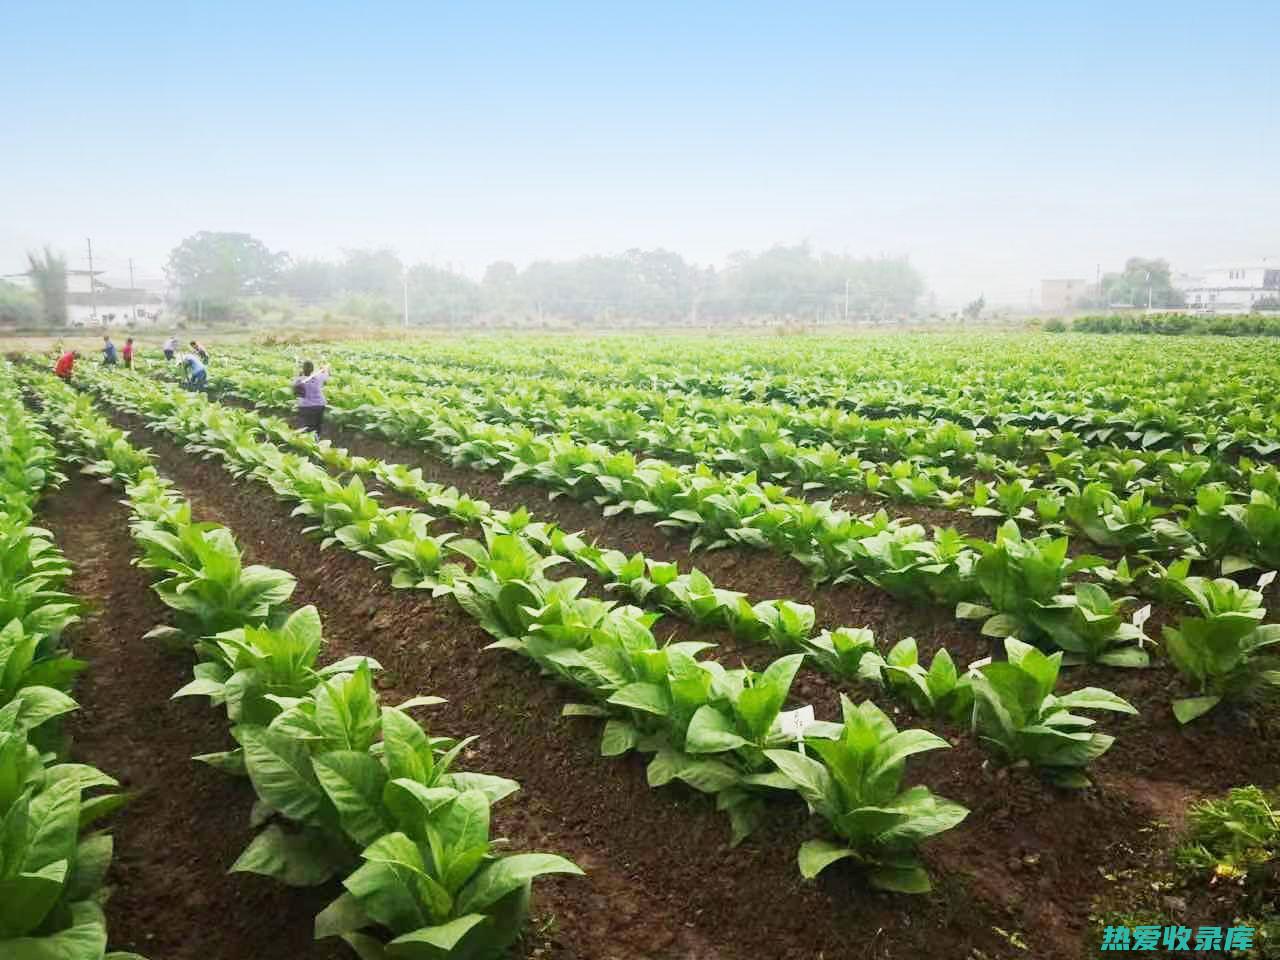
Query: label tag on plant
x,y
1264,581
1141,615
793,723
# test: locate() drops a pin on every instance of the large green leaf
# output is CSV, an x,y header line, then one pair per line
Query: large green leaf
x,y
711,731
435,943
354,782
281,771
299,858
84,939
816,855
500,877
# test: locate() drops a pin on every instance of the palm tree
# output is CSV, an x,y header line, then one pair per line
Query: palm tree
x,y
48,272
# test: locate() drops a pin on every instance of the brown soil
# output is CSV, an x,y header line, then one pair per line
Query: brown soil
x,y
663,882
173,898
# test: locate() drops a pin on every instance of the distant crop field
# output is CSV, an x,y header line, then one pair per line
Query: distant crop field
x,y
916,645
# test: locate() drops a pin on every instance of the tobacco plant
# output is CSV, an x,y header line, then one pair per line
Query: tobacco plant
x,y
1224,650
854,782
1019,717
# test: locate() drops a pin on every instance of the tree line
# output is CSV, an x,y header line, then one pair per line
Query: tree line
x,y
219,276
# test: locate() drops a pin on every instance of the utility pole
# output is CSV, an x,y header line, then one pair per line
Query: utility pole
x,y
93,289
1100,303
1148,290
846,301
132,292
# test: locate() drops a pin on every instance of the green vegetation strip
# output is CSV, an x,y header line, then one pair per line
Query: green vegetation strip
x,y
53,863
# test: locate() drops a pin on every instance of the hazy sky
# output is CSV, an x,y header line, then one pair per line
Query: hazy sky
x,y
995,143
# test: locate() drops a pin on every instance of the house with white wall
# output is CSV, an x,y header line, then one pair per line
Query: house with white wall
x,y
1233,287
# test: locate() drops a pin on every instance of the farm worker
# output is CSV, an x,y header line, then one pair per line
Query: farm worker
x,y
65,362
309,389
127,352
200,351
108,351
197,375
170,348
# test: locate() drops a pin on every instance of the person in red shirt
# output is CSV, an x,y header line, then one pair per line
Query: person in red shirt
x,y
65,362
127,352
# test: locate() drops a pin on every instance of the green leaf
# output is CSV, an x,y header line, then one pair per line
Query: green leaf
x,y
1094,698
354,783
1001,625
281,771
95,808
618,738
429,943
305,858
709,776
89,870
811,778
343,915
1190,708
366,947
900,879
84,939
710,731
816,855
500,877
646,697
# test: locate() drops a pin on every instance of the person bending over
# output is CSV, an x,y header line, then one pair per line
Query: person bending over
x,y
309,389
65,364
197,377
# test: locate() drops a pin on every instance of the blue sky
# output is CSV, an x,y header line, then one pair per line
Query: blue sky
x,y
995,143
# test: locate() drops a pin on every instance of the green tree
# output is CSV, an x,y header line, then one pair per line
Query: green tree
x,y
1140,275
214,271
18,307
793,281
440,296
378,272
48,273
311,281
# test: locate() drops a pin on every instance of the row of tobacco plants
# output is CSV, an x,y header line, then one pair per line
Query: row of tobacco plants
x,y
53,859
347,787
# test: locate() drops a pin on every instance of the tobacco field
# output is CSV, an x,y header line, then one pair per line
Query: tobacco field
x,y
884,646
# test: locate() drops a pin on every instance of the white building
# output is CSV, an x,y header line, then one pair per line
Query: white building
x,y
1233,287
96,303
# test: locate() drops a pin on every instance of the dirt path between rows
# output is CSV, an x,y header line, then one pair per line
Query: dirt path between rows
x,y
173,898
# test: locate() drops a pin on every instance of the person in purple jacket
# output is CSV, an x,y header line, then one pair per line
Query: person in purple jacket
x,y
309,389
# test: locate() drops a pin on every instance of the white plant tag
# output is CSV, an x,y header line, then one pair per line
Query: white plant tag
x,y
1265,580
793,723
1140,617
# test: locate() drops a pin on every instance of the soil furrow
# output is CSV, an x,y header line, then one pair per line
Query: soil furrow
x,y
173,898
